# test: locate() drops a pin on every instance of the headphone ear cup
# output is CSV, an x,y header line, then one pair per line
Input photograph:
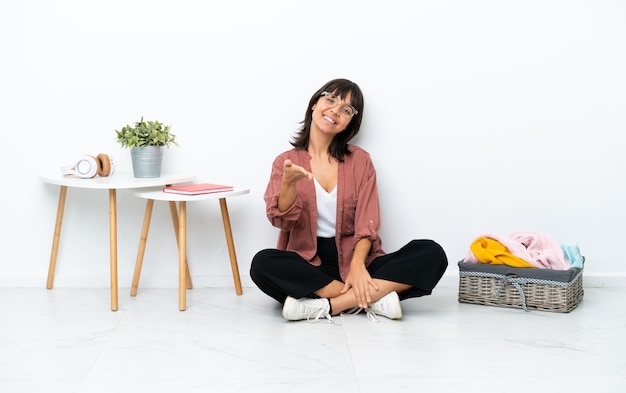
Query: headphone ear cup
x,y
105,164
86,167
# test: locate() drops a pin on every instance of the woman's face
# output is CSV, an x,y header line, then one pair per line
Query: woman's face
x,y
332,114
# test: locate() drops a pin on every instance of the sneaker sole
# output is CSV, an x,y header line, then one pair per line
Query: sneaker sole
x,y
288,303
397,315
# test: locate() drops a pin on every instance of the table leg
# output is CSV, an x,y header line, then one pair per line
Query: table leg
x,y
231,246
57,237
174,215
143,239
113,245
182,255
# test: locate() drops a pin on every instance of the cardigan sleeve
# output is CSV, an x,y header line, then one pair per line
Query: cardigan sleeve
x,y
367,211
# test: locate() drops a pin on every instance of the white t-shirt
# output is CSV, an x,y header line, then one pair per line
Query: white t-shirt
x,y
326,210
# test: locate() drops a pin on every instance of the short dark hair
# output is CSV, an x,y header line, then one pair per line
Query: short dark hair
x,y
339,145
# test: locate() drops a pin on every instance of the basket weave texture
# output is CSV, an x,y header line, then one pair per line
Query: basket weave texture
x,y
518,292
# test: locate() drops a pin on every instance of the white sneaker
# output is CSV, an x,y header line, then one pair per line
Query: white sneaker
x,y
387,306
305,308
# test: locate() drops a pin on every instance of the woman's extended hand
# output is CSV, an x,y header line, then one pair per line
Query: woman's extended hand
x,y
293,173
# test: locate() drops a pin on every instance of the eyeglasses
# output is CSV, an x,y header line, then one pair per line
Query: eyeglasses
x,y
332,101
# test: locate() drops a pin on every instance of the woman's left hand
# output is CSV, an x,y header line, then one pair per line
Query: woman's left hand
x,y
361,283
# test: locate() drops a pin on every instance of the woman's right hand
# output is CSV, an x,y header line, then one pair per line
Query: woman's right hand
x,y
293,173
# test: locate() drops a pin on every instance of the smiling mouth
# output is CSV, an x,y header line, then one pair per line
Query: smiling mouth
x,y
328,119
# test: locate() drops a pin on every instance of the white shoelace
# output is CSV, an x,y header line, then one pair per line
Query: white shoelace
x,y
371,315
318,312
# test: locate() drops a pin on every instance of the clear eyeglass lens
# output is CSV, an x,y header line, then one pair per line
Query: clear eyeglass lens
x,y
332,101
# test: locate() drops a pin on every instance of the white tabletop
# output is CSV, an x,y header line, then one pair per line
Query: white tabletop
x,y
157,193
115,181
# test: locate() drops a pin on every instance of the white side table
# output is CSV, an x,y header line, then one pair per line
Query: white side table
x,y
180,222
112,184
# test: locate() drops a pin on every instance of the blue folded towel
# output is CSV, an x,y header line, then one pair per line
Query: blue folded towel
x,y
572,254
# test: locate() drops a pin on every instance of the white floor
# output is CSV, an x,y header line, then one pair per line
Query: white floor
x,y
68,340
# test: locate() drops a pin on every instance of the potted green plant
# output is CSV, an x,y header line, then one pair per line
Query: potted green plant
x,y
146,140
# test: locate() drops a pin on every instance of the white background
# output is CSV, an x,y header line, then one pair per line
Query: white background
x,y
480,116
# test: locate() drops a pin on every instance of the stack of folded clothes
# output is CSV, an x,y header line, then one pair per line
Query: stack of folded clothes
x,y
524,249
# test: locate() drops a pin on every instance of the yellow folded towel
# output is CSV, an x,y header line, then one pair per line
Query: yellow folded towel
x,y
492,251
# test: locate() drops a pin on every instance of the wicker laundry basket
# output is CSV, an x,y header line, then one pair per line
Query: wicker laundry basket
x,y
525,288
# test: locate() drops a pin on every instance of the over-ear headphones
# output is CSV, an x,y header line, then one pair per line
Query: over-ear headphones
x,y
90,166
